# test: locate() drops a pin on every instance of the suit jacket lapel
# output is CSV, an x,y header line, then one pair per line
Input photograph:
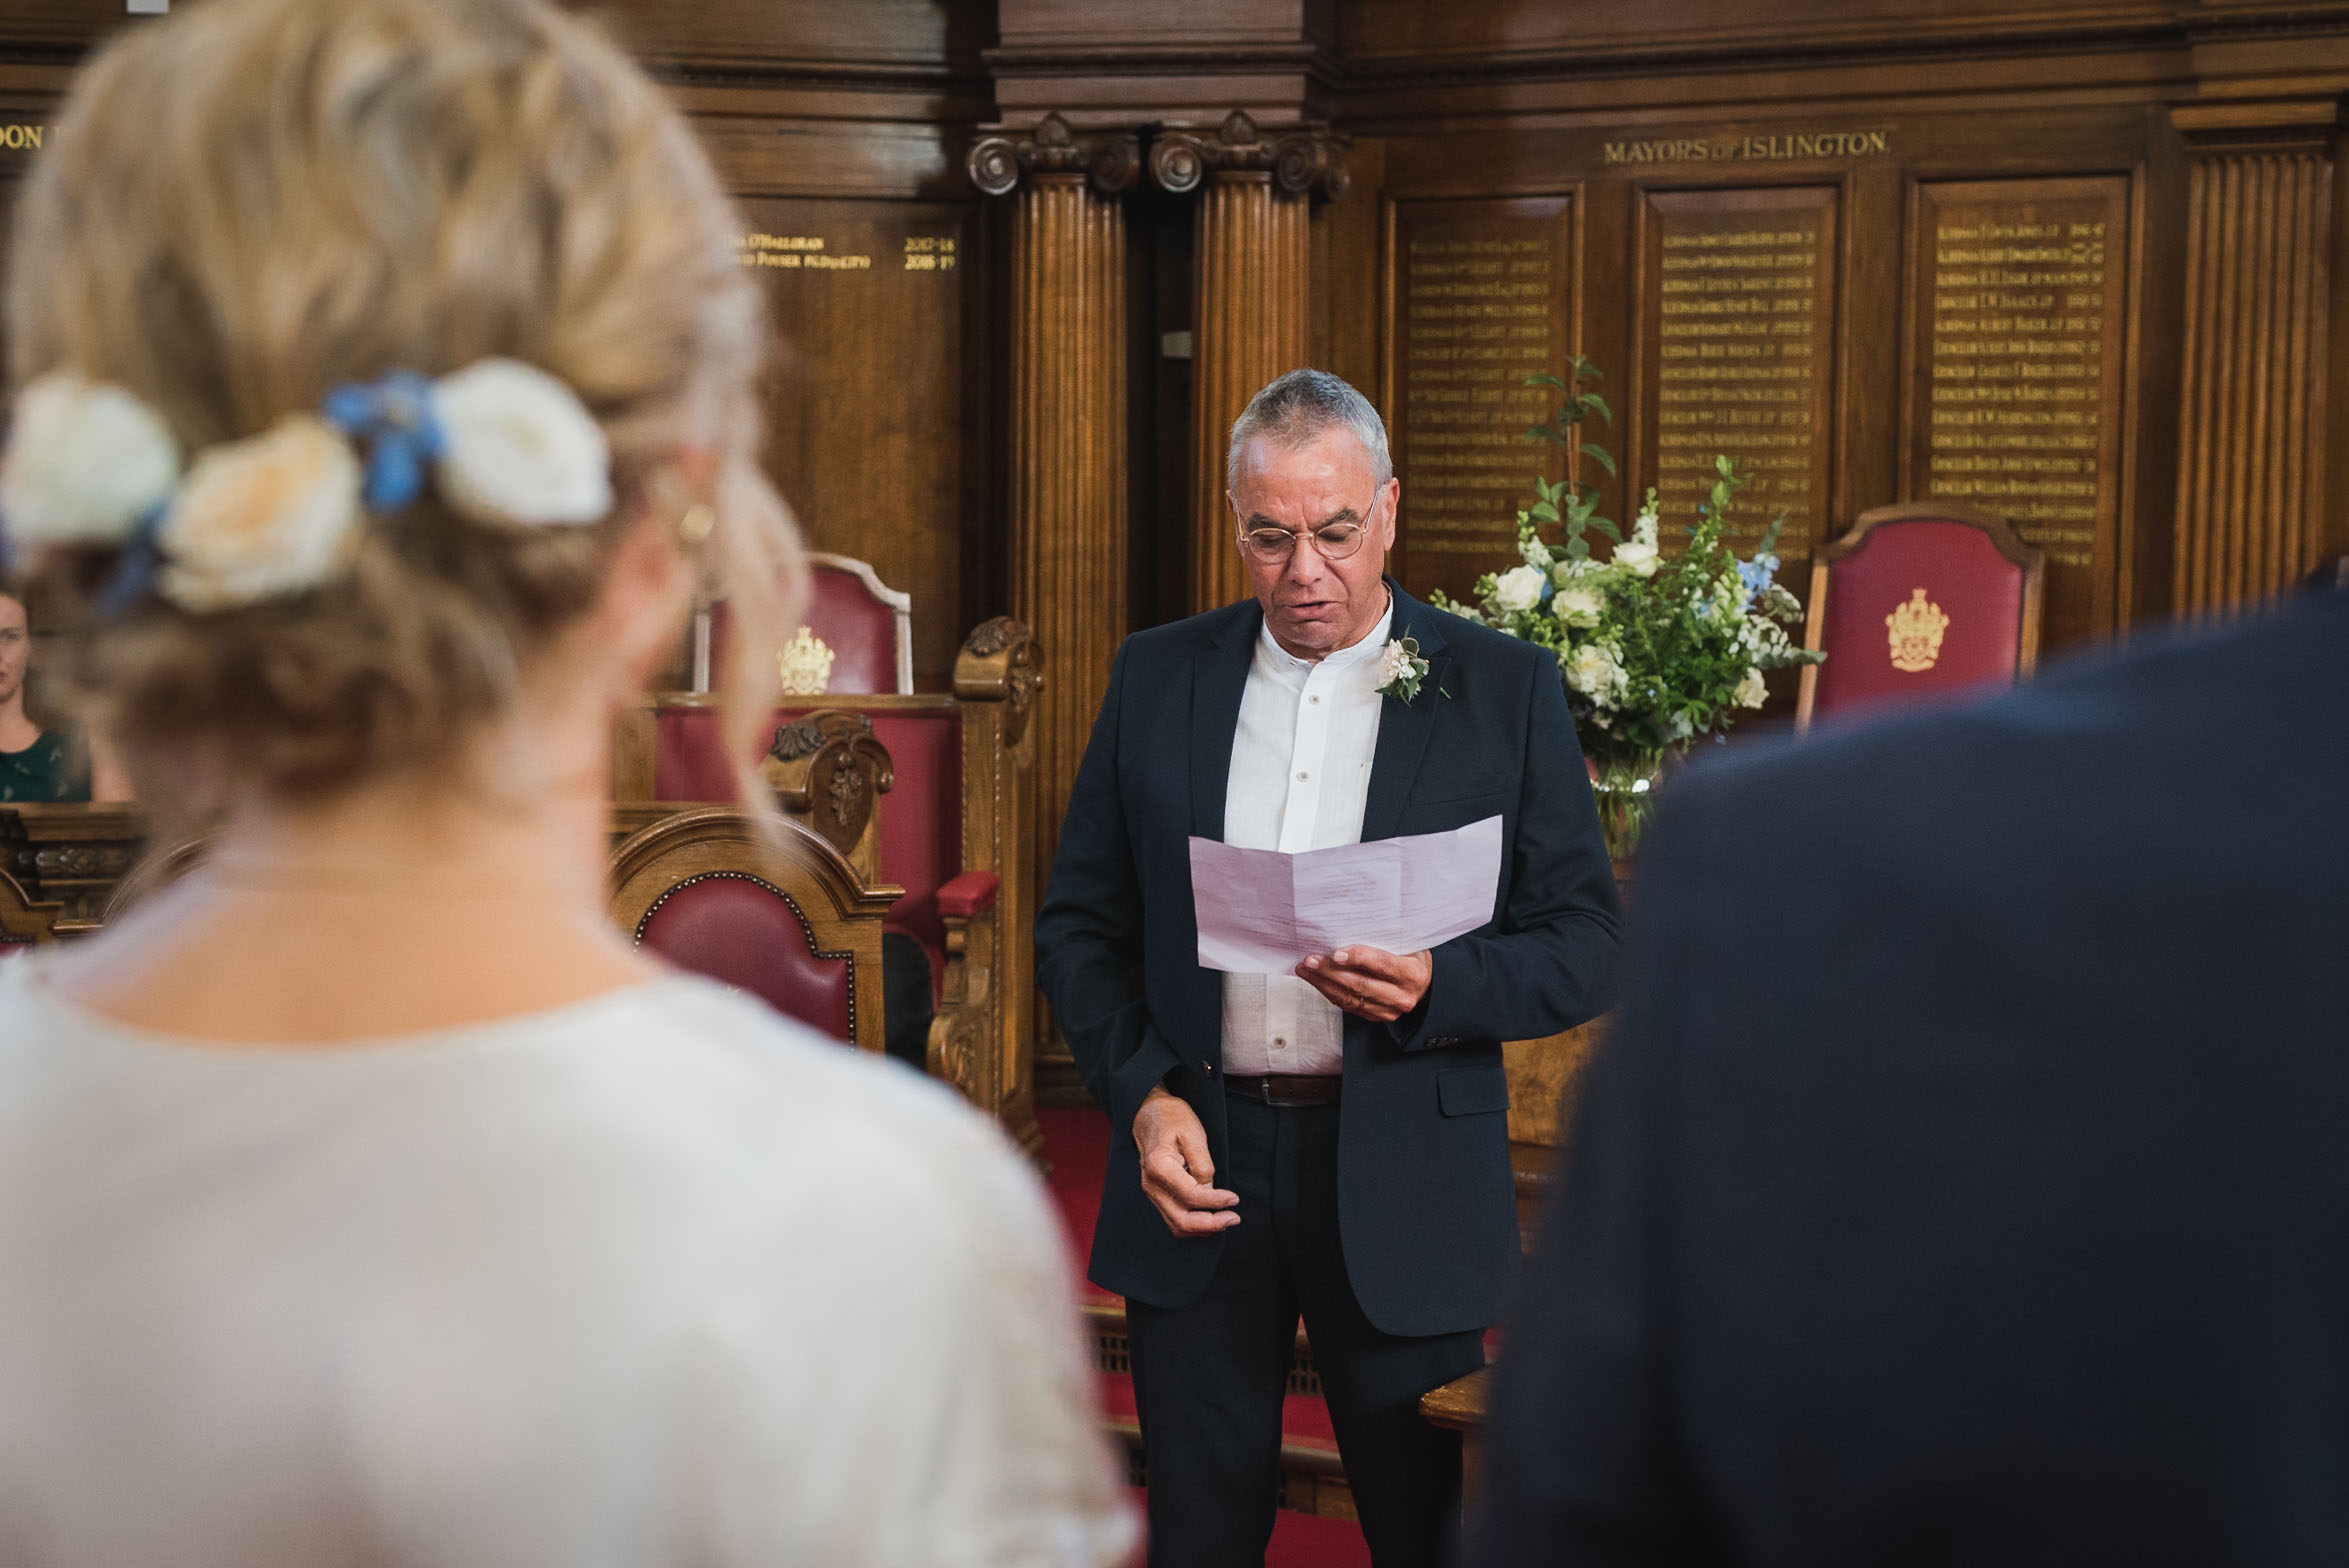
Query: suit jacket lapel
x,y
1403,726
1219,676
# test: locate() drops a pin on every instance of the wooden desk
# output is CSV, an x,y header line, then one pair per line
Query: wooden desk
x,y
1459,1406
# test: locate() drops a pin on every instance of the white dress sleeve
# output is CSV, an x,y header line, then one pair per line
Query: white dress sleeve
x,y
895,1378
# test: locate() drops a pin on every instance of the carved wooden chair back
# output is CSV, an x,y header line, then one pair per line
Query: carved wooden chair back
x,y
790,922
1918,602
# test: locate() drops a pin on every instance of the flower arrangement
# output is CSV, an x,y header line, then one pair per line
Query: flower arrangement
x,y
1656,650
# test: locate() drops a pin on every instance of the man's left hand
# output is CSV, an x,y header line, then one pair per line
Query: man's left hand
x,y
1381,987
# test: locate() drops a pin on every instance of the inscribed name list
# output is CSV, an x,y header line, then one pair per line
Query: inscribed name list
x,y
1481,301
1739,348
2021,362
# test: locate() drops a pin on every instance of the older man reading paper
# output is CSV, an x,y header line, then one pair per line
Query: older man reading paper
x,y
1330,1142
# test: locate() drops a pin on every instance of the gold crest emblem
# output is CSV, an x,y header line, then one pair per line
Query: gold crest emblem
x,y
807,665
1916,629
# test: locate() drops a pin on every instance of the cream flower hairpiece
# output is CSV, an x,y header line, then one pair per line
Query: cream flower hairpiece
x,y
278,514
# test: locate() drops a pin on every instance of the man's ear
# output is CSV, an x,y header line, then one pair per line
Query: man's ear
x,y
1394,494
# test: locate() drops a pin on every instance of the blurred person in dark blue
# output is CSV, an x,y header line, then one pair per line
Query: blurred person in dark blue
x,y
1967,1181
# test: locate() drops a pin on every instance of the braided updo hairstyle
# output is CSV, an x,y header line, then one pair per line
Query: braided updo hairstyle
x,y
255,200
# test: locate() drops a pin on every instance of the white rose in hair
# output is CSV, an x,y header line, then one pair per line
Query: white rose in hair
x,y
262,518
1520,588
85,463
521,447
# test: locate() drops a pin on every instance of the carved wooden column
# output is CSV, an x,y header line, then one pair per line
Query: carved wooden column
x,y
1068,427
2251,413
1250,295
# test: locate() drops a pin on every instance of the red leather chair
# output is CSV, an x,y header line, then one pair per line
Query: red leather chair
x,y
954,828
791,923
1916,603
856,636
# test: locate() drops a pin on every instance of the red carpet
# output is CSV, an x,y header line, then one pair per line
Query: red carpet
x,y
1076,1146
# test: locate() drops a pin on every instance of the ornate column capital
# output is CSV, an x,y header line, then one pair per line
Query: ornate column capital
x,y
1112,160
1304,159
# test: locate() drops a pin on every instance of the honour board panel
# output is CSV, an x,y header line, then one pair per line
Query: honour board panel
x,y
1481,295
1737,302
2017,339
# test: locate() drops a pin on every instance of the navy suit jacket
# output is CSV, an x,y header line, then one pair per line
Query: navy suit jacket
x,y
1427,1211
1968,1178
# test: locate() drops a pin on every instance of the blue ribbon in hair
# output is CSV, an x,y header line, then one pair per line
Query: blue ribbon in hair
x,y
134,573
393,420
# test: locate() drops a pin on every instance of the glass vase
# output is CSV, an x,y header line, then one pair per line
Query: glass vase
x,y
1623,784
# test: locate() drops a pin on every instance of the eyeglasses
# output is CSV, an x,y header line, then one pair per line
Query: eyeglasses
x,y
1335,541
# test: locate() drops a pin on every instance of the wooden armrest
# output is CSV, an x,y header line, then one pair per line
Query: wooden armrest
x,y
969,894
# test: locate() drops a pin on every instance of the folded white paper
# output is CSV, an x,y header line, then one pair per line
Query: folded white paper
x,y
1263,911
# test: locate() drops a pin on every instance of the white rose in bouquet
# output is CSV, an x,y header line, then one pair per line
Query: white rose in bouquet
x,y
1518,589
1751,692
1592,670
1578,604
1637,557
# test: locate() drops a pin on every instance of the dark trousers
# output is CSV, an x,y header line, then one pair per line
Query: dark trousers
x,y
1209,1377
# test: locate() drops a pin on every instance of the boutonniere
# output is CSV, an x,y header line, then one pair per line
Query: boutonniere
x,y
1400,668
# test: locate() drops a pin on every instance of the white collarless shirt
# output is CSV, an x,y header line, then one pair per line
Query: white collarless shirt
x,y
1300,778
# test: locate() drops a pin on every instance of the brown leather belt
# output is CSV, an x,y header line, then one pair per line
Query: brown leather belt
x,y
1287,1091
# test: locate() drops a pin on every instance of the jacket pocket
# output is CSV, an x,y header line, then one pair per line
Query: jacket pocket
x,y
1472,1091
1459,787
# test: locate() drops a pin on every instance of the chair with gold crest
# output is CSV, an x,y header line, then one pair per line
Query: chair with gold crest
x,y
955,804
1917,603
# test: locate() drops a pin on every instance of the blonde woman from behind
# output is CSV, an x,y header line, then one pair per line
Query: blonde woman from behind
x,y
384,387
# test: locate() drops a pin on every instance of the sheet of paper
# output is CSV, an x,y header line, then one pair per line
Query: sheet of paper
x,y
1262,911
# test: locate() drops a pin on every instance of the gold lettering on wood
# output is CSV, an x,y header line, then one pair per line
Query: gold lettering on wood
x,y
1750,149
796,253
21,137
1482,299
2018,325
1737,352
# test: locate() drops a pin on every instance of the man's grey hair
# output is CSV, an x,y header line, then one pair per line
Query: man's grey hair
x,y
1296,409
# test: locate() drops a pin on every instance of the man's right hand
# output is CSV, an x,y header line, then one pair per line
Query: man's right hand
x,y
1176,1169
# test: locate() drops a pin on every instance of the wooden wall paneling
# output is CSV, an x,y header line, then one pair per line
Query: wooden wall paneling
x,y
866,413
2252,419
1868,380
1349,323
2019,303
1738,294
1068,534
1482,293
1249,294
1250,298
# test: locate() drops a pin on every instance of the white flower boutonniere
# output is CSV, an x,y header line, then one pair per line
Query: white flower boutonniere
x,y
1401,669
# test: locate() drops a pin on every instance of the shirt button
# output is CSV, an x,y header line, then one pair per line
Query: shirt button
x,y
1300,777
1313,699
1278,1042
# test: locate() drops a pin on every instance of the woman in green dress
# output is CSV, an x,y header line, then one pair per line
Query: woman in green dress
x,y
35,764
